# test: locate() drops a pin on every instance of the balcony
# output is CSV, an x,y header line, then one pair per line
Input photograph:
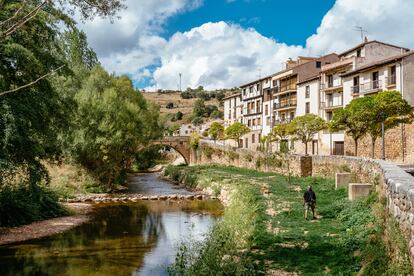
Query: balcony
x,y
331,105
285,105
287,88
392,80
330,86
283,121
367,88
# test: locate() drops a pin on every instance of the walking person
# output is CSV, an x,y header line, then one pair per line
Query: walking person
x,y
309,202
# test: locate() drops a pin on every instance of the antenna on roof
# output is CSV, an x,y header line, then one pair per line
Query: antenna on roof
x,y
361,30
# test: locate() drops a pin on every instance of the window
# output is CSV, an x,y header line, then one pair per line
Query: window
x,y
274,83
307,108
229,114
329,115
251,89
258,106
253,139
355,88
292,115
259,136
258,87
359,53
375,80
259,121
249,123
330,80
307,91
392,78
266,110
267,121
318,64
244,92
246,142
254,122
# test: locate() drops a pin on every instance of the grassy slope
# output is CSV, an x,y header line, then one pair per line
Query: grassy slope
x,y
183,105
345,238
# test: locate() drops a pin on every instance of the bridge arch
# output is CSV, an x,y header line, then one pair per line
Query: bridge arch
x,y
178,143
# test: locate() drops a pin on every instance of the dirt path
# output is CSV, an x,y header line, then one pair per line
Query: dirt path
x,y
48,227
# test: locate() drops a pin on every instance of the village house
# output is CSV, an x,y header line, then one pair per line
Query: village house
x,y
322,85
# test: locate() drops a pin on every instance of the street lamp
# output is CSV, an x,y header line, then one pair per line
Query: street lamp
x,y
383,117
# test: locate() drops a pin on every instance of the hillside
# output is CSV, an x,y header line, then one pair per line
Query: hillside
x,y
179,104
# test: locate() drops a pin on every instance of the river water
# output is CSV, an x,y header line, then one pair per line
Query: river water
x,y
121,239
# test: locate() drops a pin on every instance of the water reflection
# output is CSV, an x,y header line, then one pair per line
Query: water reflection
x,y
138,239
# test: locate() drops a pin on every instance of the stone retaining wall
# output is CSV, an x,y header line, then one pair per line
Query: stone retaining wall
x,y
210,153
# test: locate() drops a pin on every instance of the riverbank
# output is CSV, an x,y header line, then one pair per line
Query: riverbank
x,y
44,228
263,230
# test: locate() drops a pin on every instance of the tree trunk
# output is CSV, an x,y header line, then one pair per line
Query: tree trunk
x,y
356,147
306,148
373,147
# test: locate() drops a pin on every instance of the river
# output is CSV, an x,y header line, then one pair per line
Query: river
x,y
121,239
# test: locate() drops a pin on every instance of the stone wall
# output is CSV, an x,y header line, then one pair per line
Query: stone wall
x,y
396,185
210,153
399,143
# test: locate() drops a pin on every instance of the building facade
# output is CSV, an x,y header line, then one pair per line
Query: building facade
x,y
321,85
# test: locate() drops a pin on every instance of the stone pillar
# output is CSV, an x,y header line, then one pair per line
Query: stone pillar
x,y
342,180
357,190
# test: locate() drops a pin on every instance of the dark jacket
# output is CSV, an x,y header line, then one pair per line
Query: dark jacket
x,y
309,196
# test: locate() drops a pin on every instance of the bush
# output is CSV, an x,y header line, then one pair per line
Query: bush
x,y
24,204
169,105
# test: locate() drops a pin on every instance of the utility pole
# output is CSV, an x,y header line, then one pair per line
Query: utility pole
x,y
179,74
361,30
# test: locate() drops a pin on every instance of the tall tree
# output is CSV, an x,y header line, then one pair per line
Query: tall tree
x,y
279,133
113,122
388,107
216,131
305,127
235,132
352,119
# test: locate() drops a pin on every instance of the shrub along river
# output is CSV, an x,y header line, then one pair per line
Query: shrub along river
x,y
139,238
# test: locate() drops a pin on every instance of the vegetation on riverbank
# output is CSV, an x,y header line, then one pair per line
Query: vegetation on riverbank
x,y
59,105
263,229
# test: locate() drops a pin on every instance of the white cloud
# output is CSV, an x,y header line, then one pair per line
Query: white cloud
x,y
224,55
385,20
220,55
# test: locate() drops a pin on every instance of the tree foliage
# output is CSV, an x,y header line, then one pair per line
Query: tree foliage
x,y
305,127
113,122
236,131
216,131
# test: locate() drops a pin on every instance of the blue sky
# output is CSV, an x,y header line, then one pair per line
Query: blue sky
x,y
288,21
225,43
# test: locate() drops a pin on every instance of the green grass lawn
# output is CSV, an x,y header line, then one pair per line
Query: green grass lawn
x,y
345,238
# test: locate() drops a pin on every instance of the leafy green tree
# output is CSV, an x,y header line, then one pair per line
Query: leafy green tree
x,y
178,116
172,129
388,107
199,109
216,131
194,140
280,133
235,132
197,121
305,127
113,122
353,120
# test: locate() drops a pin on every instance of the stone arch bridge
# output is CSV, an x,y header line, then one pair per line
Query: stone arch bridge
x,y
179,143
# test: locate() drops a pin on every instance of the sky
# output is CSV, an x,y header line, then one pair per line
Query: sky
x,y
226,43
